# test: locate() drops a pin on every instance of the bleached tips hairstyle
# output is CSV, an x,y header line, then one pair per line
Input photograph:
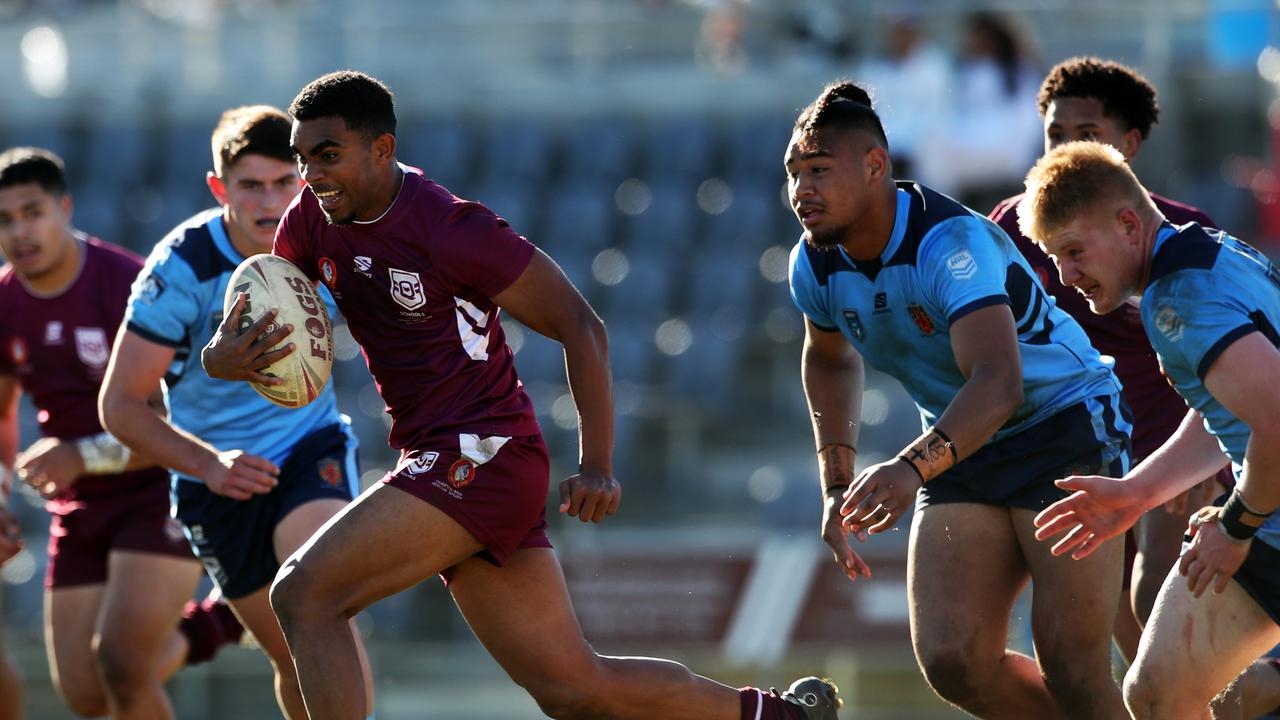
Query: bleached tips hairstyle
x,y
1074,179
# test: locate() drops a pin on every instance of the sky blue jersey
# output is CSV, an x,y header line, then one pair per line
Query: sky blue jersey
x,y
177,302
1207,290
942,262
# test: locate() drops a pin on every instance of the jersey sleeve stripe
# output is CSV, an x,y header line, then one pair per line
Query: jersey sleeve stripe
x,y
977,305
146,334
1221,346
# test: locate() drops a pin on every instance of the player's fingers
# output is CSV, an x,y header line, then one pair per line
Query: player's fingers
x,y
260,327
254,479
566,492
268,380
601,508
861,489
860,566
275,337
1178,505
1203,576
265,359
1220,582
1077,535
1087,546
885,523
587,510
259,463
1184,563
1056,525
232,319
575,501
615,499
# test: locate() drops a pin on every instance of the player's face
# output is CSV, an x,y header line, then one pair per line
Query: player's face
x,y
1068,119
827,184
1098,255
35,229
338,166
256,191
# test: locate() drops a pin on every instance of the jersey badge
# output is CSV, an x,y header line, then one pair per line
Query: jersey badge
x,y
91,346
855,325
1169,323
422,463
462,473
53,333
328,272
364,265
881,303
18,351
961,264
406,289
921,319
329,471
152,288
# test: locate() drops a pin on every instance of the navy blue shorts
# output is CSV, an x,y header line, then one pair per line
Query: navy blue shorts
x,y
1088,438
1260,577
233,538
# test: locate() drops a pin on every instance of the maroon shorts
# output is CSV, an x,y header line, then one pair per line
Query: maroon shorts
x,y
84,531
499,497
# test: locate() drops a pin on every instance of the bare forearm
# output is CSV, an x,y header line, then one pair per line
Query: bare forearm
x,y
1189,456
586,354
8,439
982,406
135,424
834,393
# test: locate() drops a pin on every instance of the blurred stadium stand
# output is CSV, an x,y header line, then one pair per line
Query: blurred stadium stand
x,y
657,184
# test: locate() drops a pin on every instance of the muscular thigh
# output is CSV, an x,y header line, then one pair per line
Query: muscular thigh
x,y
1075,599
964,573
71,619
144,597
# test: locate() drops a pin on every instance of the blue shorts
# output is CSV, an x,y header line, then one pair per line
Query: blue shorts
x,y
1088,438
233,538
1260,573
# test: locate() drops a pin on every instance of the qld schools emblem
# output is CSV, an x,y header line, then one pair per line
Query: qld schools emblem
x,y
406,289
854,324
91,346
328,272
462,473
330,471
921,319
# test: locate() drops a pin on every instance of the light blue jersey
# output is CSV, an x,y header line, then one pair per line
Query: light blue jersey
x,y
177,302
1207,290
942,262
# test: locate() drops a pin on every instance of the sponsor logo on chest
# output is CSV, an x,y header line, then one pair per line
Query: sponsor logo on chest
x,y
53,333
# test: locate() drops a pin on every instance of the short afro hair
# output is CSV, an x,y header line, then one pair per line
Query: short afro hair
x,y
32,165
363,102
1124,93
250,130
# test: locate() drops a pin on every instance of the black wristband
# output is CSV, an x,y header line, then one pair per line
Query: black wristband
x,y
1238,521
913,467
853,449
950,445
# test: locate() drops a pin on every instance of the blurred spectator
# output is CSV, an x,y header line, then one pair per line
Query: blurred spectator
x,y
815,32
992,134
908,78
720,40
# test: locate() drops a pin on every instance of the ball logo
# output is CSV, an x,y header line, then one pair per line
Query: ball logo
x,y
91,347
18,351
462,473
406,289
328,272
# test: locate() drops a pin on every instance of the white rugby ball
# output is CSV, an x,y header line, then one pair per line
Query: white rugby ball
x,y
270,282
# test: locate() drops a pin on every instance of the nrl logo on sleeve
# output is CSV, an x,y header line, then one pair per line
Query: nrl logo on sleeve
x,y
961,264
151,290
406,289
1169,323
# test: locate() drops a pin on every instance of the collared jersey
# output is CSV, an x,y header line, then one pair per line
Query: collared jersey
x,y
942,262
177,302
1206,290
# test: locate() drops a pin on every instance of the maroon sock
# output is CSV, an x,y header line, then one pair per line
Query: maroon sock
x,y
757,704
208,625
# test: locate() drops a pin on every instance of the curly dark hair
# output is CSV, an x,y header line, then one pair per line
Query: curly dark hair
x,y
250,130
364,102
843,104
23,165
1125,94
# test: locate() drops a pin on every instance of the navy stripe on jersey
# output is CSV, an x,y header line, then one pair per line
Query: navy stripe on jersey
x,y
194,243
149,336
928,209
978,304
1193,248
1265,327
826,262
1206,361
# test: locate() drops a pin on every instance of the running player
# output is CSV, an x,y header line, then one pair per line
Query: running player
x,y
1086,98
251,480
1012,396
1211,309
420,276
119,569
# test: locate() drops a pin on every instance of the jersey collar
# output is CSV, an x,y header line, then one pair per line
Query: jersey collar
x,y
901,216
220,240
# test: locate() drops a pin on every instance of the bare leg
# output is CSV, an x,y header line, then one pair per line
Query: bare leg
x,y
1260,688
71,616
523,615
10,686
964,573
144,597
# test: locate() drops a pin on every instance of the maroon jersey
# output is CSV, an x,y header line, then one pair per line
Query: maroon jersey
x,y
58,347
1157,408
415,286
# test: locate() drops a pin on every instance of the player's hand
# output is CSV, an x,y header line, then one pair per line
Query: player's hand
x,y
10,535
590,495
239,475
1100,508
50,466
836,536
879,496
232,355
1196,497
1213,557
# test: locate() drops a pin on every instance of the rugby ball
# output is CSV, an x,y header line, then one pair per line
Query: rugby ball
x,y
270,282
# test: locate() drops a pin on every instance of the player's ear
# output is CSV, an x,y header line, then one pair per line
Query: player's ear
x,y
877,163
66,205
1131,223
217,187
384,148
1129,144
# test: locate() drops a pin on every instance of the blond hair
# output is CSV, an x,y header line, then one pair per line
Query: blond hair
x,y
1071,180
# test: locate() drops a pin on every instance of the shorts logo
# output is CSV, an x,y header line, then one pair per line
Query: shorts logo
x,y
328,272
330,471
854,324
18,351
961,264
91,346
173,530
1169,324
422,463
406,289
53,333
151,290
921,319
364,265
462,473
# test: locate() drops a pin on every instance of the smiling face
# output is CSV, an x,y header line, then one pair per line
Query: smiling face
x,y
829,183
344,169
255,191
1100,254
1068,119
35,230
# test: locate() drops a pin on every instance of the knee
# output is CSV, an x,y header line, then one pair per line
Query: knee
x,y
83,699
1076,685
952,675
124,668
294,595
572,696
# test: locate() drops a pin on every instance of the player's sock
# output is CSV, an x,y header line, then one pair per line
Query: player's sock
x,y
757,704
208,625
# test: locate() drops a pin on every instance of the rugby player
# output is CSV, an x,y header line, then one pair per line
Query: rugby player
x,y
10,545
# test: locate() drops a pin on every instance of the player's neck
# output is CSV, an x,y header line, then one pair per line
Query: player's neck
x,y
386,196
868,238
63,274
1147,248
